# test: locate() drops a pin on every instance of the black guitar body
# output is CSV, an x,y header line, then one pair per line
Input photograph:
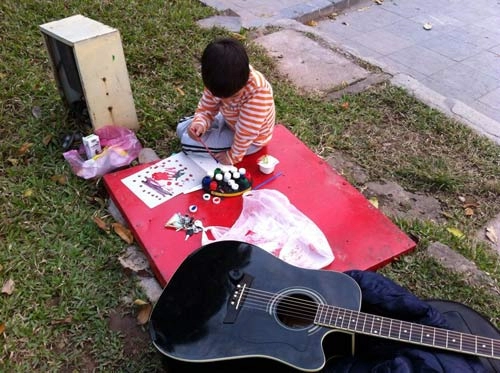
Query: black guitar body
x,y
203,317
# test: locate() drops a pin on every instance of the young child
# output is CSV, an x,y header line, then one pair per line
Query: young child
x,y
236,113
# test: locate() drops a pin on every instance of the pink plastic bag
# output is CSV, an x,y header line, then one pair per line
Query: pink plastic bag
x,y
270,221
120,147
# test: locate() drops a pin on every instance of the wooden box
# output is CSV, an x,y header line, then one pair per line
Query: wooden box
x,y
89,66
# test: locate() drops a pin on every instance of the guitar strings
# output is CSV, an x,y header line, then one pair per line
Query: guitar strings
x,y
289,305
307,310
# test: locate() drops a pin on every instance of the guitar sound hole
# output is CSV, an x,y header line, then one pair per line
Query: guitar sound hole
x,y
296,311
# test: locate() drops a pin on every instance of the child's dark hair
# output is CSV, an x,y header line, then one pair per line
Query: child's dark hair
x,y
225,67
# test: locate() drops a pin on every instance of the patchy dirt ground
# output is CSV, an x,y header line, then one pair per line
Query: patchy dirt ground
x,y
393,200
135,337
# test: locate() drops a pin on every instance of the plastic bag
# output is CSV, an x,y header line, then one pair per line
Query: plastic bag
x,y
120,147
270,221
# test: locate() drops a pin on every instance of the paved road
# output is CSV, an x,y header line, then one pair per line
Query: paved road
x,y
453,65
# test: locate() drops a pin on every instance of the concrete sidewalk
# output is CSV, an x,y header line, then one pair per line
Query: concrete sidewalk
x,y
452,64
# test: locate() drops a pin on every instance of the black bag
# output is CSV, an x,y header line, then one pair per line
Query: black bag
x,y
466,320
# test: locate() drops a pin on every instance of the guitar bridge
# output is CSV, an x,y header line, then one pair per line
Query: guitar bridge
x,y
242,283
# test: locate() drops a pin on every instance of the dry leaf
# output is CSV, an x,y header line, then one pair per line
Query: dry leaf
x,y
61,179
312,23
456,232
2,328
28,193
447,215
140,302
143,314
101,223
470,205
238,36
24,148
379,2
124,233
491,234
469,211
13,161
8,287
345,105
181,92
46,140
374,201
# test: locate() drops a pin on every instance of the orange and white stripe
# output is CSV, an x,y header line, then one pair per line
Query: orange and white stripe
x,y
250,113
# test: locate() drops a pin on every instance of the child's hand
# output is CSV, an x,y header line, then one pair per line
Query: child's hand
x,y
223,158
195,131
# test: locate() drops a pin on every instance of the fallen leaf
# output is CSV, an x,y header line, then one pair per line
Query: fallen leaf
x,y
28,193
491,234
345,105
469,211
447,215
124,233
143,314
312,23
379,2
140,302
2,328
470,205
13,161
374,201
456,232
98,200
238,36
24,148
101,223
46,140
181,92
60,179
8,287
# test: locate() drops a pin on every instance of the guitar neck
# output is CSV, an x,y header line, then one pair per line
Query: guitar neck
x,y
403,331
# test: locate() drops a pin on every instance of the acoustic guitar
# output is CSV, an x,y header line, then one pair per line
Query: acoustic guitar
x,y
231,300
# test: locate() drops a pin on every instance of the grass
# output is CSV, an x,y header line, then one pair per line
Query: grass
x,y
67,277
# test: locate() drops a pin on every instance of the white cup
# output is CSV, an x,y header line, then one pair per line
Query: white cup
x,y
267,163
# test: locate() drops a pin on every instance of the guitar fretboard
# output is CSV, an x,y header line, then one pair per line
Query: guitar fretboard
x,y
384,327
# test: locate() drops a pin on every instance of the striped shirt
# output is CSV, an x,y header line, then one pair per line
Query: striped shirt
x,y
250,113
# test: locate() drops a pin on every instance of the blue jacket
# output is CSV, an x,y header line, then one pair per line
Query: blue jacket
x,y
382,296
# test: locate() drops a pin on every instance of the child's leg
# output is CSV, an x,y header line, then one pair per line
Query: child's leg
x,y
218,137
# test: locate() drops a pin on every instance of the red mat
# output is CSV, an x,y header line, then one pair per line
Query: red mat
x,y
360,236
